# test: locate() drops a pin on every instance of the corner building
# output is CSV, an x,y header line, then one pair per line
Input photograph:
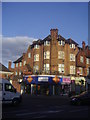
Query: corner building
x,y
53,55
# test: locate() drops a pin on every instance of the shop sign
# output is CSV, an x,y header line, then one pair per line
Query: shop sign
x,y
66,80
42,79
29,79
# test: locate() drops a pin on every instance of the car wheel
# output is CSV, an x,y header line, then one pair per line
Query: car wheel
x,y
15,102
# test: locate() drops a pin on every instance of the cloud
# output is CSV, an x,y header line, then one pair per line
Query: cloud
x,y
13,47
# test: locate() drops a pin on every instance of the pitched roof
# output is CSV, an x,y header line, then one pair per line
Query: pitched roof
x,y
60,37
70,41
3,68
18,60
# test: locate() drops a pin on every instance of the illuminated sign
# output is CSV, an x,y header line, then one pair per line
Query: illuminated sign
x,y
43,79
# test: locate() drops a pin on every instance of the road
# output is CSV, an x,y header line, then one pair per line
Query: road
x,y
36,107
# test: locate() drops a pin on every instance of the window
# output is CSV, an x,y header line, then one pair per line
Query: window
x,y
20,63
47,55
24,62
61,43
46,43
80,71
16,64
36,57
87,71
61,68
81,59
60,54
36,68
16,73
29,55
72,69
72,46
72,57
46,67
20,73
87,60
36,46
9,87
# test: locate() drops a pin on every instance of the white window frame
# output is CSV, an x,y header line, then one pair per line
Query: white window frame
x,y
87,60
72,57
16,73
16,64
61,43
61,55
72,46
80,71
36,57
36,68
46,43
47,55
20,64
36,46
61,68
24,63
29,55
81,59
72,69
19,72
46,67
87,71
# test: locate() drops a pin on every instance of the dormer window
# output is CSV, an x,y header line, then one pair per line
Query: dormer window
x,y
72,46
36,46
61,42
46,43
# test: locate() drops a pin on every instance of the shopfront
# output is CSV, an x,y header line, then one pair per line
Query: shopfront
x,y
42,84
66,85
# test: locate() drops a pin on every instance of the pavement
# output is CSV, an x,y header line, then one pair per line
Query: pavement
x,y
45,107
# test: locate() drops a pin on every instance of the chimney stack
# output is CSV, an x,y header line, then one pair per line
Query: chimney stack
x,y
83,45
54,33
9,65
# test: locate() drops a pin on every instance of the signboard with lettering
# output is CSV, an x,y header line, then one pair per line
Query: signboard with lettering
x,y
66,80
42,79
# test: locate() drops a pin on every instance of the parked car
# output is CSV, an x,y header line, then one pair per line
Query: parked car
x,y
83,98
8,94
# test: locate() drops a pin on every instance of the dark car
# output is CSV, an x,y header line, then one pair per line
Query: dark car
x,y
83,98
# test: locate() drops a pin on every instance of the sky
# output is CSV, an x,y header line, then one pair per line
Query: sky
x,y
24,22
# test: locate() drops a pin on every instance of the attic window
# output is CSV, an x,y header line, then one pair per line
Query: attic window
x,y
72,46
36,46
46,43
61,42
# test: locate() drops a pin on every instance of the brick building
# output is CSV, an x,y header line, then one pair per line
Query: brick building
x,y
54,55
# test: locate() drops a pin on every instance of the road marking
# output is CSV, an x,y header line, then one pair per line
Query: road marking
x,y
40,112
78,110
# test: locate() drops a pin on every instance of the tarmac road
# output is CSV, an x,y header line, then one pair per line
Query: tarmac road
x,y
42,107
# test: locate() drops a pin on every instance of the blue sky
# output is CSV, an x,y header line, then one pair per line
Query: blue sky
x,y
34,20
